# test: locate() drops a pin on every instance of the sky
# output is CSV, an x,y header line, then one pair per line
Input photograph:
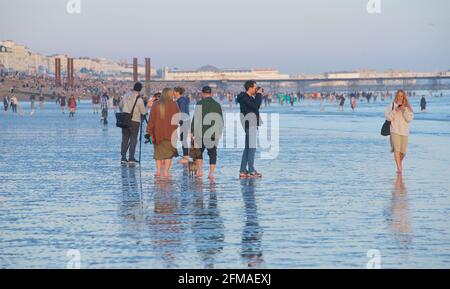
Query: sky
x,y
293,36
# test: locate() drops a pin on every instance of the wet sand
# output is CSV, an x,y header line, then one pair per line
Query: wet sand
x,y
330,196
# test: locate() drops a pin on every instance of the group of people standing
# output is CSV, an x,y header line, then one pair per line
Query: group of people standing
x,y
71,103
10,103
170,111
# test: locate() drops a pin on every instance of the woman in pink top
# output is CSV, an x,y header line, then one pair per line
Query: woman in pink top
x,y
400,114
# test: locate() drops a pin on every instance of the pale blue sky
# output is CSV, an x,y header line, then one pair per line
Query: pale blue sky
x,y
294,36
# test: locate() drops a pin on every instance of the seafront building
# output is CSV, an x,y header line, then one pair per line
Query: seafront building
x,y
17,57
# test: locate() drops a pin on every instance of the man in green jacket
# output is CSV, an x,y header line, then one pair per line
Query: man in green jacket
x,y
206,129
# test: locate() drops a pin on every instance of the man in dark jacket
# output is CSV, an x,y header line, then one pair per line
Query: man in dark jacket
x,y
423,104
250,102
206,136
183,104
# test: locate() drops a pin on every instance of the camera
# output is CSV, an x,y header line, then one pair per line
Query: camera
x,y
147,139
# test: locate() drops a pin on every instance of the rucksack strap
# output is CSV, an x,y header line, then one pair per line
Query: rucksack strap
x,y
132,110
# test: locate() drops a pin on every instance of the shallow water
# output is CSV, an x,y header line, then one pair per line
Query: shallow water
x,y
329,197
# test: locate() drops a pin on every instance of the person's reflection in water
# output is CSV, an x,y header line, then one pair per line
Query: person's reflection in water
x,y
131,206
207,225
165,224
400,219
252,234
185,196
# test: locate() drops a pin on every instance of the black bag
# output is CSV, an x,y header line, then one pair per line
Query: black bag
x,y
386,128
123,119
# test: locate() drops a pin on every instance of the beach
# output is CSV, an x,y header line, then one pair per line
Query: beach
x,y
329,197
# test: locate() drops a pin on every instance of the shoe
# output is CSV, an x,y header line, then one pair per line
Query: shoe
x,y
124,161
243,175
255,174
133,161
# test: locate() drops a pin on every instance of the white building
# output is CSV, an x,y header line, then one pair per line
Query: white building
x,y
16,57
213,73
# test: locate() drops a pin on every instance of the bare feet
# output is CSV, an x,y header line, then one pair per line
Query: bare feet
x,y
199,174
211,176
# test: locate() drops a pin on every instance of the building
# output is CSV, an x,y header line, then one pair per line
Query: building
x,y
16,57
210,72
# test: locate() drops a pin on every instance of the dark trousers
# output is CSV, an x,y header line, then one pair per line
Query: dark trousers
x,y
212,153
184,143
129,139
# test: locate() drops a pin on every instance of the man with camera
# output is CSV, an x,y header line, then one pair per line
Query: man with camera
x,y
134,105
250,102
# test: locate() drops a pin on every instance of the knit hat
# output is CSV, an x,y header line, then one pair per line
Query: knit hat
x,y
206,89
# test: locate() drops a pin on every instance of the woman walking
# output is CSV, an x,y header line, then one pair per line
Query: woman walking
x,y
162,128
400,114
353,103
14,102
104,106
72,105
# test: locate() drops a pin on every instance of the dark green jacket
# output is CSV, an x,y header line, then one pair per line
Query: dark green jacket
x,y
204,107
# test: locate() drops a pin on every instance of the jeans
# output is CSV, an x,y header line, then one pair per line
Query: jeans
x,y
248,156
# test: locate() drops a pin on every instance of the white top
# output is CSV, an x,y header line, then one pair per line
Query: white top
x,y
128,102
399,119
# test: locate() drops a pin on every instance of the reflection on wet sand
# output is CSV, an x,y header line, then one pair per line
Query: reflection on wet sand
x,y
165,223
251,251
207,224
400,217
172,213
131,207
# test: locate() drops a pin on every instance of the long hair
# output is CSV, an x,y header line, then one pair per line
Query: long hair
x,y
166,98
405,99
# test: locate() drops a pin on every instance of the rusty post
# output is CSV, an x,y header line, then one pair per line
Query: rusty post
x,y
147,76
58,72
135,69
